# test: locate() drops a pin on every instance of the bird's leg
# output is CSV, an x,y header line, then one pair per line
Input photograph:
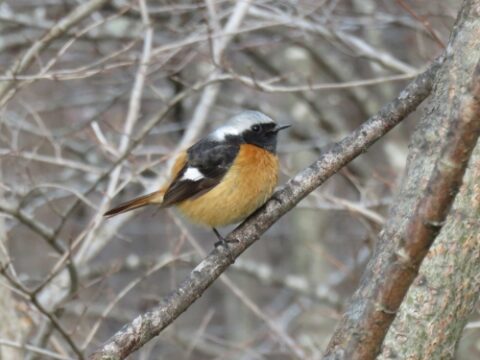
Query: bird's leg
x,y
224,242
221,240
276,197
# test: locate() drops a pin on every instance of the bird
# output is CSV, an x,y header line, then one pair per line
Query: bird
x,y
224,177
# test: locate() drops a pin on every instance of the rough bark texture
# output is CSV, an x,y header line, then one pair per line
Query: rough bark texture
x,y
368,316
431,318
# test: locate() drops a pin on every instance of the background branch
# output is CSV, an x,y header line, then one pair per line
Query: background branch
x,y
57,30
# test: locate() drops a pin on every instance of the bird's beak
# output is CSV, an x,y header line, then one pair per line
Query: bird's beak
x,y
283,127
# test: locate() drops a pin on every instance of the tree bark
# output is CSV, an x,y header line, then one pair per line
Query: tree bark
x,y
376,302
435,310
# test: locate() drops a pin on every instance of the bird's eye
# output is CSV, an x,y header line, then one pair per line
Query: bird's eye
x,y
256,128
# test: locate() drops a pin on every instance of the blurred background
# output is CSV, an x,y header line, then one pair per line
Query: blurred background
x,y
93,118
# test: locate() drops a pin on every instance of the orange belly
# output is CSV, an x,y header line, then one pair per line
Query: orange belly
x,y
248,184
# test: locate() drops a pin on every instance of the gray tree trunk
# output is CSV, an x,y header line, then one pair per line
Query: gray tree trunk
x,y
443,296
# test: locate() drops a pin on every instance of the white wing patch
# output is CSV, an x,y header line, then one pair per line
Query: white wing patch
x,y
192,174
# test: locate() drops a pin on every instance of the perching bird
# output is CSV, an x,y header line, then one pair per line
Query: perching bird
x,y
224,177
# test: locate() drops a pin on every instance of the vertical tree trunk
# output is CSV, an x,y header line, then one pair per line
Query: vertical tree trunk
x,y
10,328
436,308
448,295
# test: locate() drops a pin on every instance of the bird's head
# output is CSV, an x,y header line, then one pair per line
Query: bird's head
x,y
251,127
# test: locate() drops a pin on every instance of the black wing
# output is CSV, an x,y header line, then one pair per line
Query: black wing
x,y
212,161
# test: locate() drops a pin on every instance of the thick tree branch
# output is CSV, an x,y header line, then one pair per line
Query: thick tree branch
x,y
150,324
361,332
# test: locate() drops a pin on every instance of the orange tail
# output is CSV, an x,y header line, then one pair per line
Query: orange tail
x,y
152,198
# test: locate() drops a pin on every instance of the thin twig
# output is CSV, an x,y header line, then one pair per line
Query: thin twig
x,y
66,23
381,57
35,349
210,93
265,86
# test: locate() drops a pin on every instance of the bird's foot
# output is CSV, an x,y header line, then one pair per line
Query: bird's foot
x,y
276,197
222,241
225,243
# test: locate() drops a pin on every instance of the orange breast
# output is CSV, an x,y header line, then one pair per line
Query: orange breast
x,y
247,185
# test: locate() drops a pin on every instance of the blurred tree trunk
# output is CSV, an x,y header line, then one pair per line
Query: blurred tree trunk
x,y
443,296
10,327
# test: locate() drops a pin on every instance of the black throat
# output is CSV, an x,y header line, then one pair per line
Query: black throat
x,y
265,137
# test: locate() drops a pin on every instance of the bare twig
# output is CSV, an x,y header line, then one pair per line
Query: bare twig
x,y
35,349
276,329
381,57
264,273
266,86
46,312
424,21
166,260
210,93
130,121
24,61
46,233
50,296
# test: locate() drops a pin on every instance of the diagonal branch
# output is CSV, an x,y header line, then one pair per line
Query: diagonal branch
x,y
373,308
148,325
